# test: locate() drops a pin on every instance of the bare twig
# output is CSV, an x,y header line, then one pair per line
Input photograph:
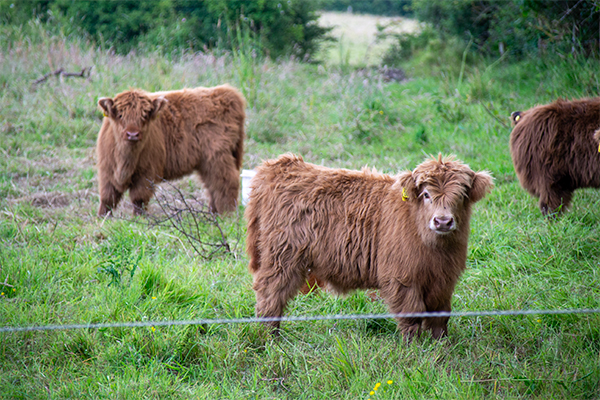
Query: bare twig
x,y
192,219
569,11
6,282
85,73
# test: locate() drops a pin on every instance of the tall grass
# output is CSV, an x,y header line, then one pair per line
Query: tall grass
x,y
56,256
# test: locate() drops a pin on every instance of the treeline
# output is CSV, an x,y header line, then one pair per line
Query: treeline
x,y
521,27
377,7
278,27
289,27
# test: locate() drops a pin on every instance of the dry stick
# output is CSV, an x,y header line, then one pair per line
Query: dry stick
x,y
85,73
169,218
214,221
6,282
174,217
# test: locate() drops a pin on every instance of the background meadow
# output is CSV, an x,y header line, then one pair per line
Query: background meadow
x,y
60,264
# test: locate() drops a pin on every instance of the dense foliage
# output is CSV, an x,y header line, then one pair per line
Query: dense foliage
x,y
281,27
520,27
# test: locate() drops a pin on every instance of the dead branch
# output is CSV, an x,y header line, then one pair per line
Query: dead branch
x,y
192,219
85,73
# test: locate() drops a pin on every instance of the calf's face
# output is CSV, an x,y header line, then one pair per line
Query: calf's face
x,y
130,112
440,193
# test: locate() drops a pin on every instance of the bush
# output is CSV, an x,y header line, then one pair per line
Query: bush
x,y
282,27
521,27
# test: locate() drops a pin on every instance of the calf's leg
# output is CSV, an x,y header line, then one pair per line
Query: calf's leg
x,y
140,193
222,180
552,198
404,299
274,287
109,198
438,325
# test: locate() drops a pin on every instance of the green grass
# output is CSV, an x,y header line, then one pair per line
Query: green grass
x,y
56,257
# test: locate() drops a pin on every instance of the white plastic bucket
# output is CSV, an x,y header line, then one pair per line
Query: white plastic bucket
x,y
247,175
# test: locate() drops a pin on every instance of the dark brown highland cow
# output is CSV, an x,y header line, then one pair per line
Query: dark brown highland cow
x,y
554,151
148,137
405,235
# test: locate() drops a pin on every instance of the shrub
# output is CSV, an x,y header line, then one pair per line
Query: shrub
x,y
284,27
522,27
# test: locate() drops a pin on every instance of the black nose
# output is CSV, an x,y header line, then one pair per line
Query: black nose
x,y
443,223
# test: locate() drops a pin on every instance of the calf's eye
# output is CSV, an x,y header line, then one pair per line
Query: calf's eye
x,y
426,195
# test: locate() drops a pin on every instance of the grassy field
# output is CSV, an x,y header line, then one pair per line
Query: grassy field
x,y
60,264
357,44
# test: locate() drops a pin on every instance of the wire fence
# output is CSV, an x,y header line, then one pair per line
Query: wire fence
x,y
207,321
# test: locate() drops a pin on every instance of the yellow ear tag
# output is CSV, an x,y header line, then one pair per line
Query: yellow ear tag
x,y
598,148
103,113
517,118
404,195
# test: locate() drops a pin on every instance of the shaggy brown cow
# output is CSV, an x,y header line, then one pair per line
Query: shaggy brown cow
x,y
405,235
554,151
148,137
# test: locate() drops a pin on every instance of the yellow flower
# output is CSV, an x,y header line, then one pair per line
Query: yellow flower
x,y
14,290
371,393
381,112
377,385
153,328
539,320
2,294
390,382
153,297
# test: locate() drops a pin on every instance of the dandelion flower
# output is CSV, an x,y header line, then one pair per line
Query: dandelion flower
x,y
381,112
377,385
153,297
371,393
2,294
153,328
390,382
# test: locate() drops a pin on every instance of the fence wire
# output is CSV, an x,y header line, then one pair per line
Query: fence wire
x,y
208,321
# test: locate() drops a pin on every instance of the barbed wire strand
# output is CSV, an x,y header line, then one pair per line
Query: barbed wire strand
x,y
208,321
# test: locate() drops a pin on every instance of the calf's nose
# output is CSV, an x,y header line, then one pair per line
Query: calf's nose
x,y
443,223
132,135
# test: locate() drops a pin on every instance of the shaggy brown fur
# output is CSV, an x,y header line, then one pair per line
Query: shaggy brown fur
x,y
405,235
148,137
554,151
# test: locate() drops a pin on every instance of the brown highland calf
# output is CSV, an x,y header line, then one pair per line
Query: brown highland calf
x,y
148,137
404,235
554,151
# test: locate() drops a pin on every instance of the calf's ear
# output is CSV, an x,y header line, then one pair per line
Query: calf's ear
x,y
482,184
405,183
107,106
157,105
